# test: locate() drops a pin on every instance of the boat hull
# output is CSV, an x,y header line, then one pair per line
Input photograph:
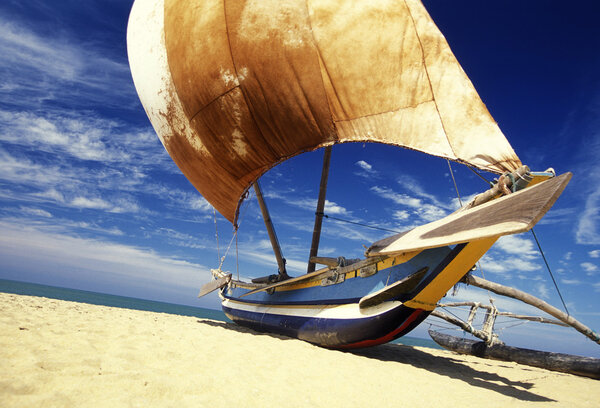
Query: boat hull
x,y
334,326
355,308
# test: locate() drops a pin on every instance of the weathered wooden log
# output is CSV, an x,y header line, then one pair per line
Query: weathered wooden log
x,y
533,301
565,363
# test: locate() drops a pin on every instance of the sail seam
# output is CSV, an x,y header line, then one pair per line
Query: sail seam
x,y
321,63
259,131
384,112
213,101
429,78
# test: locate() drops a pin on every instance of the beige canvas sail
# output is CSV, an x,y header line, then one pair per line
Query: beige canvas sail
x,y
235,87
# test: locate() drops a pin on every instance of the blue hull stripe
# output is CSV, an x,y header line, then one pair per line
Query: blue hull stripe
x,y
330,332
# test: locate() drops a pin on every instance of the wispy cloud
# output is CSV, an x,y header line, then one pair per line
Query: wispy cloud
x,y
411,185
589,268
594,254
53,250
542,290
512,244
588,226
41,68
36,212
502,259
310,204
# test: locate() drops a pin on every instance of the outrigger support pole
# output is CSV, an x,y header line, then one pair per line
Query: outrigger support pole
x,y
314,247
533,301
271,231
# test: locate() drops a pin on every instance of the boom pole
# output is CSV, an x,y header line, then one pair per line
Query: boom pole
x,y
270,231
314,247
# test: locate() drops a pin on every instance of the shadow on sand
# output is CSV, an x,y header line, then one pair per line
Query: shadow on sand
x,y
456,369
446,366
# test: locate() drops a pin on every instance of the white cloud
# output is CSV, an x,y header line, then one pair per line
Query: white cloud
x,y
365,166
36,212
94,257
508,265
414,187
93,203
41,67
542,290
589,267
331,208
430,212
587,229
401,215
571,281
335,209
516,244
79,135
401,199
594,254
199,203
418,207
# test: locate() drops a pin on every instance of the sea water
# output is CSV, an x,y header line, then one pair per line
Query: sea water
x,y
104,299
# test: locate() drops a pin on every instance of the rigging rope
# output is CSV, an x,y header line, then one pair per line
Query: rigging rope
x,y
481,177
237,257
461,204
358,223
217,235
235,232
454,181
550,271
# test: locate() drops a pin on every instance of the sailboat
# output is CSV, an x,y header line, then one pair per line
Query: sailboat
x,y
234,88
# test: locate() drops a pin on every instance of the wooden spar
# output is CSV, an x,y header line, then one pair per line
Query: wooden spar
x,y
538,319
270,230
474,305
320,274
533,301
465,326
314,247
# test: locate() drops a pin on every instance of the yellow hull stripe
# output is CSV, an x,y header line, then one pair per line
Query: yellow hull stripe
x,y
456,269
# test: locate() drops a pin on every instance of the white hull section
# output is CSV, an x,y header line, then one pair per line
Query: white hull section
x,y
342,312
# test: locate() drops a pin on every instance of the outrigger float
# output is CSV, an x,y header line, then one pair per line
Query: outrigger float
x,y
233,88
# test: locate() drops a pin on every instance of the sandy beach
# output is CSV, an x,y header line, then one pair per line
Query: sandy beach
x,y
59,354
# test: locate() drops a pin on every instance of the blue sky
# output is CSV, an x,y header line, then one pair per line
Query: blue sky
x,y
90,200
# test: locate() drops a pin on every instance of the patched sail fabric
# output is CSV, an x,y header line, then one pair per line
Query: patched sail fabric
x,y
235,87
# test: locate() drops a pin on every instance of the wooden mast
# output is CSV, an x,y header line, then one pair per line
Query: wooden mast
x,y
314,247
271,231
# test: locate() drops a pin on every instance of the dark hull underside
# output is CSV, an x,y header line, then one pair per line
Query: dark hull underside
x,y
339,333
566,363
